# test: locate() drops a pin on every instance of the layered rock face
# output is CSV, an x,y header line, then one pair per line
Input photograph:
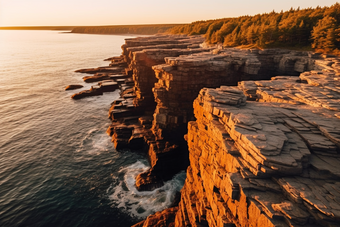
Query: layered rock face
x,y
143,53
270,162
168,73
263,151
181,78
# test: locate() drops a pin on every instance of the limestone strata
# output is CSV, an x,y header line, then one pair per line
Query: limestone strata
x,y
263,153
141,54
270,162
168,72
181,78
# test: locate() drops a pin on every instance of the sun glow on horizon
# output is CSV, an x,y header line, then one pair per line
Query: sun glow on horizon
x,y
105,12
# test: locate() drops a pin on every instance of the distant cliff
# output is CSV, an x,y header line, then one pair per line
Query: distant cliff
x,y
148,29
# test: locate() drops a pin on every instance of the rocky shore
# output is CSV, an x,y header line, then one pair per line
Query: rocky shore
x,y
256,130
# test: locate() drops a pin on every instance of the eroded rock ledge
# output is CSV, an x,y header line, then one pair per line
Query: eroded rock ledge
x,y
273,162
168,73
263,151
269,162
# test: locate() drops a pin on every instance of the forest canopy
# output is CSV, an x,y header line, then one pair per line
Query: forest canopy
x,y
148,29
316,28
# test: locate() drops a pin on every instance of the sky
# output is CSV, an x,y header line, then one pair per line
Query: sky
x,y
123,12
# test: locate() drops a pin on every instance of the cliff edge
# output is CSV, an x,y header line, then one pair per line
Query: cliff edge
x,y
260,150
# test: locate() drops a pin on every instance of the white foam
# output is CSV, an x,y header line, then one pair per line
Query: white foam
x,y
124,194
94,142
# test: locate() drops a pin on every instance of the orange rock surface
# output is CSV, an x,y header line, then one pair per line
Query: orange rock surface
x,y
269,162
263,153
163,218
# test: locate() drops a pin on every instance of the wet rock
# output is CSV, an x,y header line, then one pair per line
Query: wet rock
x,y
148,181
115,77
104,69
163,218
87,93
109,85
73,87
97,77
115,59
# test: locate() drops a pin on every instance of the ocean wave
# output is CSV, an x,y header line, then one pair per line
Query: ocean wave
x,y
94,142
124,194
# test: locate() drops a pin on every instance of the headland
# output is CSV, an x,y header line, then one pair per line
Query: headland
x,y
256,130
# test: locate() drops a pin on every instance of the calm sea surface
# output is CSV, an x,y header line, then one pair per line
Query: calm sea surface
x,y
57,165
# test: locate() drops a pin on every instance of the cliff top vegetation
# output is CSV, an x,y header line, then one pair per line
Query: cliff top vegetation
x,y
147,29
312,28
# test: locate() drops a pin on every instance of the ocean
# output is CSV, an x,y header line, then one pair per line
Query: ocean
x,y
58,167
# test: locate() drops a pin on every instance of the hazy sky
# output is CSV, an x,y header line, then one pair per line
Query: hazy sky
x,y
116,12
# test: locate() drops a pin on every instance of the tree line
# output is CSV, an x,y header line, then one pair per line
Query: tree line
x,y
148,29
316,28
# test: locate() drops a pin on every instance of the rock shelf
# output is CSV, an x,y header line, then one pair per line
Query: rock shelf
x,y
257,130
73,87
269,162
166,156
109,79
263,148
168,73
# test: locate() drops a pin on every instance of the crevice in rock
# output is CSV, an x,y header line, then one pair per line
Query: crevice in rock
x,y
262,148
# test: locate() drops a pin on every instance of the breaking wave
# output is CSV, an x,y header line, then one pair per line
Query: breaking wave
x,y
124,194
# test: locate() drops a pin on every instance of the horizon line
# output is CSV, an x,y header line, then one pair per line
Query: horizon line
x,y
53,26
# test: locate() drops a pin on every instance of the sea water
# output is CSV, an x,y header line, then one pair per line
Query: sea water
x,y
57,165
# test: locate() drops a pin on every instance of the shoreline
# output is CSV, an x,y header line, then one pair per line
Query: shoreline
x,y
120,34
155,114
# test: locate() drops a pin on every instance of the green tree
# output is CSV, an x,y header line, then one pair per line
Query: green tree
x,y
325,34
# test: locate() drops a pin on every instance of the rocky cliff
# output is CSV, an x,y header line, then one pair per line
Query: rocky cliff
x,y
263,148
269,162
166,155
168,72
